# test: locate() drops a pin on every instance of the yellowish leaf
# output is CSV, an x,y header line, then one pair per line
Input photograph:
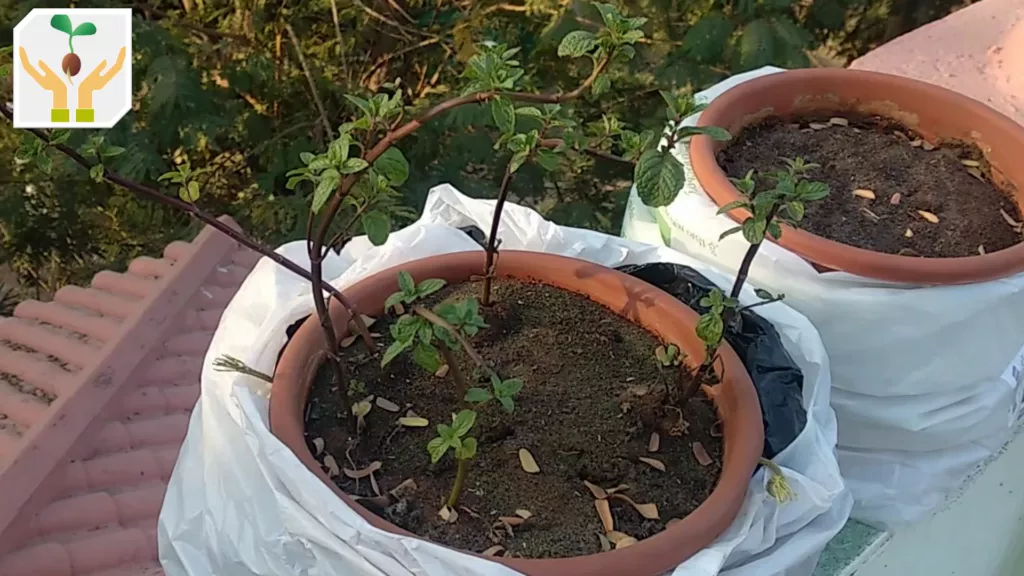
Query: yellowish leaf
x,y
385,404
976,173
625,542
817,126
649,511
615,536
864,193
332,466
656,464
917,143
448,514
527,462
494,550
970,163
524,514
606,545
1009,219
414,422
596,490
442,371
837,121
909,233
348,340
318,443
928,146
928,216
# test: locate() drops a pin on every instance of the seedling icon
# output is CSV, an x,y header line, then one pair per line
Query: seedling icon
x,y
71,64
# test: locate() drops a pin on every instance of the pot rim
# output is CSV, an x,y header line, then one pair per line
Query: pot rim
x,y
727,110
737,401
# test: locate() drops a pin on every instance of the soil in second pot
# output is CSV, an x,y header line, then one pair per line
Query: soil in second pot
x,y
928,200
591,383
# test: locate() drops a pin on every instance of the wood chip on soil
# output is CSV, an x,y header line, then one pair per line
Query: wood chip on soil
x,y
604,510
701,454
895,199
442,371
494,550
348,340
928,146
649,511
448,514
625,542
511,520
405,489
385,404
656,464
928,216
976,173
615,536
524,514
981,249
598,492
527,462
864,193
837,121
356,474
318,443
332,466
970,163
817,126
917,143
1009,220
414,422
654,443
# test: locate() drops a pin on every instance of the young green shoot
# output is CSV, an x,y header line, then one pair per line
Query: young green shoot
x,y
504,391
455,437
668,357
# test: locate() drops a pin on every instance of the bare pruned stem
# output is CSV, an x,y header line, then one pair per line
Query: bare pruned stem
x,y
453,367
492,239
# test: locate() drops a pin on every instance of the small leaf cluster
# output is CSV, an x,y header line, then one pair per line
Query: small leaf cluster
x,y
493,67
325,170
414,332
785,202
454,437
711,326
504,391
185,178
615,40
668,356
97,147
658,174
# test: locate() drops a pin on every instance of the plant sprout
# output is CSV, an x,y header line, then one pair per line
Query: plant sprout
x,y
455,437
504,391
71,64
670,356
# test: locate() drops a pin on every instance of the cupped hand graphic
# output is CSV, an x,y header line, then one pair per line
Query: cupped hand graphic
x,y
47,80
98,79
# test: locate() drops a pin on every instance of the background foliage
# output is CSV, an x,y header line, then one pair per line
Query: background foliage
x,y
233,84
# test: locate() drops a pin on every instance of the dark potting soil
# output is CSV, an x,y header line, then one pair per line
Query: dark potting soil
x,y
588,377
906,175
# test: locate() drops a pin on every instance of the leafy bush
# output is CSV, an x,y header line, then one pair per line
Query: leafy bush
x,y
248,87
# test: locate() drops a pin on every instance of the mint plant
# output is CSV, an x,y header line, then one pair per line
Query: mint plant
x,y
785,203
455,437
504,391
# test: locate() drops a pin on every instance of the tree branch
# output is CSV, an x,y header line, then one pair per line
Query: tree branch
x,y
309,79
492,238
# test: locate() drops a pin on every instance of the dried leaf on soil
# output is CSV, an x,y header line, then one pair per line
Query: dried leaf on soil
x,y
917,143
701,454
348,340
656,464
360,409
494,550
511,520
976,173
442,371
864,193
448,514
605,512
874,217
318,443
406,488
470,511
356,474
373,484
414,422
606,545
895,199
332,466
625,542
928,216
928,146
909,233
596,490
619,488
649,511
1009,220
385,404
654,443
970,163
524,514
981,249
817,126
837,121
615,536
528,463
399,309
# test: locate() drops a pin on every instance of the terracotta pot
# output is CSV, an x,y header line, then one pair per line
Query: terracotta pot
x,y
641,303
934,112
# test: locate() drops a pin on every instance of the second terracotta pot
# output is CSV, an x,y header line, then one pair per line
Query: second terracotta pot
x,y
934,112
737,400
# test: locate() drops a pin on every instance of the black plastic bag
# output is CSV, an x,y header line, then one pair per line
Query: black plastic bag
x,y
778,380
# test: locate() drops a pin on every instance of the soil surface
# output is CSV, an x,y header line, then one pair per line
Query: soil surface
x,y
588,375
906,175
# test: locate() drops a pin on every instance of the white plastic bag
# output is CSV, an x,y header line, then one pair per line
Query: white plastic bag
x,y
240,503
923,388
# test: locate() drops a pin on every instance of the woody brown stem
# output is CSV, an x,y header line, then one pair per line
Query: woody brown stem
x,y
492,239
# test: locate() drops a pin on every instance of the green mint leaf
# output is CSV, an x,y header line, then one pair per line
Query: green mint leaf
x,y
361,103
477,395
353,165
709,328
393,350
96,172
325,188
462,422
404,330
393,166
753,230
732,206
437,447
429,286
507,403
377,226
426,357
730,232
659,177
406,283
393,300
576,44
467,450
809,191
504,113
517,161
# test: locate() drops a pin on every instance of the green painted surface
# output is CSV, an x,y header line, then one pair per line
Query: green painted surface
x,y
847,545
